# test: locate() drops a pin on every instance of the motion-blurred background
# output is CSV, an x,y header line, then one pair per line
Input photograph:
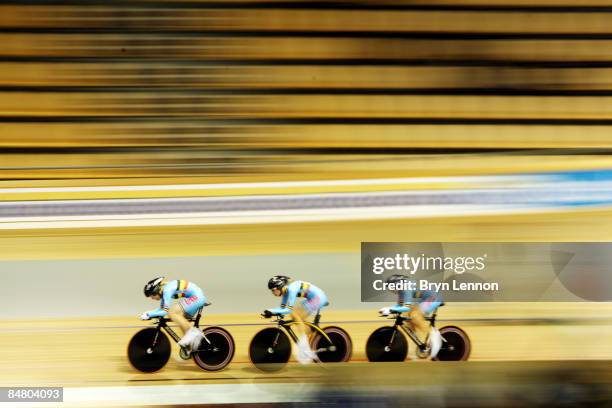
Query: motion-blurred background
x,y
253,90
225,141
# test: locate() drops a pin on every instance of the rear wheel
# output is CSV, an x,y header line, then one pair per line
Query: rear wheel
x,y
270,349
456,345
216,349
149,350
386,344
337,349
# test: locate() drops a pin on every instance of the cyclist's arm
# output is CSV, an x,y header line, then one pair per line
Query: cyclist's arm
x,y
166,300
287,301
157,313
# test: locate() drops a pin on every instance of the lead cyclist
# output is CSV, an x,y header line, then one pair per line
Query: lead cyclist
x,y
190,300
418,304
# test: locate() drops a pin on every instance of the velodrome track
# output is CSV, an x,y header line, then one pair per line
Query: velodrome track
x,y
88,354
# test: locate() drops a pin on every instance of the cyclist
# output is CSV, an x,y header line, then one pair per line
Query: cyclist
x,y
190,300
314,299
418,303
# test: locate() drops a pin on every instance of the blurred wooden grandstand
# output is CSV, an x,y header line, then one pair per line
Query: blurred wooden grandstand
x,y
270,89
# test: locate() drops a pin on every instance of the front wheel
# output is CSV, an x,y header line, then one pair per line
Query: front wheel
x,y
337,349
270,349
216,349
456,345
386,344
149,350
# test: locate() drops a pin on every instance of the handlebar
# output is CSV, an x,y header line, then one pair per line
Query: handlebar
x,y
393,315
390,313
268,314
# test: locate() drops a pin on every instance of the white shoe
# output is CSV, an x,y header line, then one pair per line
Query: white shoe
x,y
304,354
313,356
304,358
188,337
197,339
435,342
300,356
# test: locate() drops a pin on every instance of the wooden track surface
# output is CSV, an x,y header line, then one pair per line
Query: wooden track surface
x,y
78,352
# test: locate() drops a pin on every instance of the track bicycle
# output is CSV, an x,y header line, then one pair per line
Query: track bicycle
x,y
149,349
388,343
270,348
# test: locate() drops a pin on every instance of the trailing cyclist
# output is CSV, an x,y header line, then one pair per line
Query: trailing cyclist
x,y
190,300
313,300
418,304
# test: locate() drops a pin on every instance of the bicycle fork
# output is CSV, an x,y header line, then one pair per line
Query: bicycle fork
x,y
206,345
150,349
275,342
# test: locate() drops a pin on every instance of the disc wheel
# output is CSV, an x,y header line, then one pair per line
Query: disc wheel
x,y
216,349
337,349
270,349
456,345
381,348
149,350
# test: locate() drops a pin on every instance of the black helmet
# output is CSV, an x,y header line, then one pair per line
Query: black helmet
x,y
152,287
396,278
278,282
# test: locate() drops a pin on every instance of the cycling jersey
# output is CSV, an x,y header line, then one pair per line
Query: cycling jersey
x,y
191,298
427,300
314,297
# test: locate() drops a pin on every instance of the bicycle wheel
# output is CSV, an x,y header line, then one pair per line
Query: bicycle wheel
x,y
456,345
146,357
216,353
338,351
380,348
270,349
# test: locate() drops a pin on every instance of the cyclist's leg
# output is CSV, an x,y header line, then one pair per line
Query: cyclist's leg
x,y
177,315
418,322
429,306
435,339
307,308
317,304
183,310
299,314
301,311
190,307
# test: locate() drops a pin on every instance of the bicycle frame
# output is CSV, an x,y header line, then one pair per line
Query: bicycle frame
x,y
399,322
286,325
162,323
